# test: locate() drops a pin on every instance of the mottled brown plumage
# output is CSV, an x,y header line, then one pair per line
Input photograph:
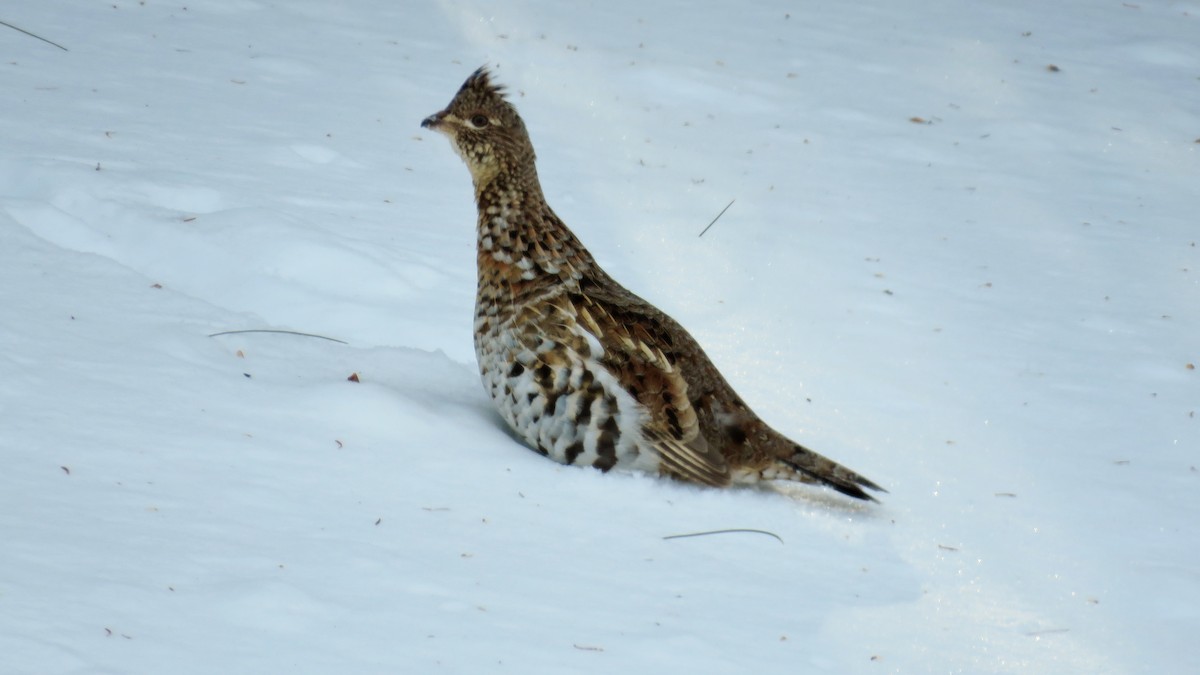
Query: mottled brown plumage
x,y
584,370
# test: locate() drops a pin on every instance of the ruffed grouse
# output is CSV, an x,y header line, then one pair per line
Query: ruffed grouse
x,y
585,371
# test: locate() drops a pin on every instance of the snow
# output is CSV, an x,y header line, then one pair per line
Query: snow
x,y
966,274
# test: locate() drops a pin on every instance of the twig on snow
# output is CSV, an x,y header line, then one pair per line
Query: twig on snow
x,y
32,35
731,201
284,332
729,531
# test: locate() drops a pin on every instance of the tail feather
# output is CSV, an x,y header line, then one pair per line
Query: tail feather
x,y
825,471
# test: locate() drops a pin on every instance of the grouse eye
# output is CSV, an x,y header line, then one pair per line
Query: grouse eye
x,y
479,121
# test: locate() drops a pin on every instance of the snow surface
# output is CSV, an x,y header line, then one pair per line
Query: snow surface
x,y
965,273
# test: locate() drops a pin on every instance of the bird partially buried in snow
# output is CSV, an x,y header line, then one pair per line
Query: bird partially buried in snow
x,y
586,372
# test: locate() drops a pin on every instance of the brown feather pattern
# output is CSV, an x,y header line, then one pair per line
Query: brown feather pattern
x,y
585,371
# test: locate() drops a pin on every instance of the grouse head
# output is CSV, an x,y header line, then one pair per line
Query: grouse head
x,y
485,130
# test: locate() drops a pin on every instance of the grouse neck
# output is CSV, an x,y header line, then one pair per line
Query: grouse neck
x,y
518,228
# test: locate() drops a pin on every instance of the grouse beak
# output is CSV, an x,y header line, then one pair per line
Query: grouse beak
x,y
433,121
